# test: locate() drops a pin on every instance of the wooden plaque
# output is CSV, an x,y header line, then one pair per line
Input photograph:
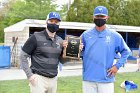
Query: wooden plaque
x,y
72,50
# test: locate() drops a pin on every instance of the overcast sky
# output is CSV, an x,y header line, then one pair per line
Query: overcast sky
x,y
60,2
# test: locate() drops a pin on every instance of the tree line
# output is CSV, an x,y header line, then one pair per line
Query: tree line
x,y
121,12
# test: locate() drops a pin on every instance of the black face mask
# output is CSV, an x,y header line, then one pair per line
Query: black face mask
x,y
52,27
99,22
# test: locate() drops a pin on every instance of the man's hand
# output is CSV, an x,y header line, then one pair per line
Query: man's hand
x,y
81,46
65,43
33,79
112,71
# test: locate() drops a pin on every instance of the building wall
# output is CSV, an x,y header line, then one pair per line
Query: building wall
x,y
15,50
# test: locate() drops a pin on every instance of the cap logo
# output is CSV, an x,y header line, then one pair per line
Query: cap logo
x,y
100,9
55,14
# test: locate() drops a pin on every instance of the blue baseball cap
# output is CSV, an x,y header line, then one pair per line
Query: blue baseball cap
x,y
100,10
53,15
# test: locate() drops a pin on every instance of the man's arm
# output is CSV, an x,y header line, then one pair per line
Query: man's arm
x,y
25,64
26,52
61,58
124,51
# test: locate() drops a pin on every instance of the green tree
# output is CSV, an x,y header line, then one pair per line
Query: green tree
x,y
3,12
82,10
33,9
24,9
74,9
63,12
121,12
132,12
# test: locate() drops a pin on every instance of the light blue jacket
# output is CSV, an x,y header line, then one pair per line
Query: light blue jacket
x,y
98,54
139,52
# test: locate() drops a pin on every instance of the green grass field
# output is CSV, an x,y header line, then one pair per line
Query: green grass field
x,y
68,84
1,44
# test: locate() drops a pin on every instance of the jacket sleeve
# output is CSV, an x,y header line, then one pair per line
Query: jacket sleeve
x,y
139,53
26,52
25,64
123,49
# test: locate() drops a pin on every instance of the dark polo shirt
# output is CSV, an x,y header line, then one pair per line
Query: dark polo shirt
x,y
44,52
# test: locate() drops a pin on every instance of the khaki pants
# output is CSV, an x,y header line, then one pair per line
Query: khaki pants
x,y
93,87
44,85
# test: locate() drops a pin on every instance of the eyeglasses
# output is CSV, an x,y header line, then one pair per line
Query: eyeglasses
x,y
53,21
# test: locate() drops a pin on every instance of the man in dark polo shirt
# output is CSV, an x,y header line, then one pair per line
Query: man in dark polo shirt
x,y
44,48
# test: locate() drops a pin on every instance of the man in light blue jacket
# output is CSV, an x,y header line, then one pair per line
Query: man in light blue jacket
x,y
99,50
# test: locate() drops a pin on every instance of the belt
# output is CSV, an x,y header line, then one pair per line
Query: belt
x,y
48,76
